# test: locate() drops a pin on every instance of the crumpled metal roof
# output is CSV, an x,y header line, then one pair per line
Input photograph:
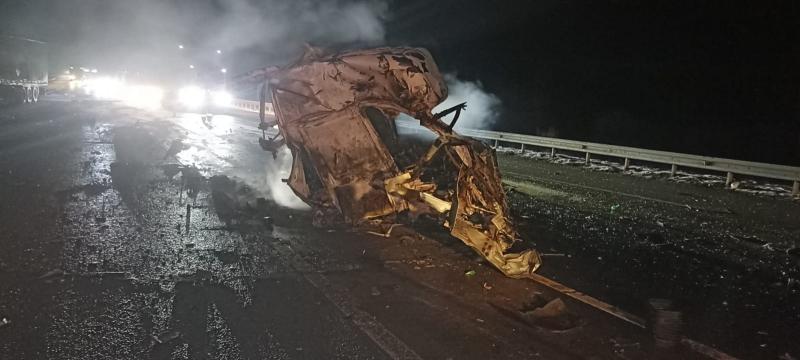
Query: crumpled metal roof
x,y
336,113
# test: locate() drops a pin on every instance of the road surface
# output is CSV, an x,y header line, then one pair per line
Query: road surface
x,y
131,234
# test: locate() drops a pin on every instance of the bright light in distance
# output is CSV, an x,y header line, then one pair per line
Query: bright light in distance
x,y
107,88
180,46
223,70
222,98
219,51
191,66
111,88
192,97
143,96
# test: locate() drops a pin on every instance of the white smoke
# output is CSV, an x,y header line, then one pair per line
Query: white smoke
x,y
483,108
143,36
280,191
281,28
266,175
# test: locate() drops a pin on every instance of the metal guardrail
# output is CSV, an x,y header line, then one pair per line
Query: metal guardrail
x,y
251,106
728,166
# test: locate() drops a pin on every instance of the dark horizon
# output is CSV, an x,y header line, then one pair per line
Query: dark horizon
x,y
680,76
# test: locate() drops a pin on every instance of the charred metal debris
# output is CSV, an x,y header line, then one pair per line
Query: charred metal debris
x,y
336,113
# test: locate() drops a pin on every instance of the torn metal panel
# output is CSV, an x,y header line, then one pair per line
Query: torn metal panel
x,y
336,113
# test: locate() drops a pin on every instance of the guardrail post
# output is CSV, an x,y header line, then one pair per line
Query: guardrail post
x,y
626,164
673,170
729,180
588,158
552,152
796,188
523,148
496,143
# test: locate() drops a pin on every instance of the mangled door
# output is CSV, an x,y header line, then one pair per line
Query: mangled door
x,y
352,161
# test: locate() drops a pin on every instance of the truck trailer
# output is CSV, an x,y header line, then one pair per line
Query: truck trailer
x,y
23,69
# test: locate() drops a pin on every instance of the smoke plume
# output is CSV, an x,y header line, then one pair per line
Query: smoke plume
x,y
276,171
483,108
143,36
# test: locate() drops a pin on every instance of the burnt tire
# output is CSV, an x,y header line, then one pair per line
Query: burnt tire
x,y
28,97
35,94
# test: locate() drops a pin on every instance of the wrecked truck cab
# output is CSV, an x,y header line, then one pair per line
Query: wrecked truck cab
x,y
336,113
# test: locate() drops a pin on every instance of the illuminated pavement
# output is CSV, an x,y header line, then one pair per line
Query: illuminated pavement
x,y
134,234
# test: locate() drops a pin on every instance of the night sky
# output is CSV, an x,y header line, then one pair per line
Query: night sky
x,y
709,78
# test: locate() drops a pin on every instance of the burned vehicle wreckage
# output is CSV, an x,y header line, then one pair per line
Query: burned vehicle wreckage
x,y
337,114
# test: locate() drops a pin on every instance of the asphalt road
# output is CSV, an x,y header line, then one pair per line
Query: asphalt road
x,y
135,234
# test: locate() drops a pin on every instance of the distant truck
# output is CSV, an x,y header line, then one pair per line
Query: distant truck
x,y
23,69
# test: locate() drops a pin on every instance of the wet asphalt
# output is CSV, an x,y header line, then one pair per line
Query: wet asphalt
x,y
132,234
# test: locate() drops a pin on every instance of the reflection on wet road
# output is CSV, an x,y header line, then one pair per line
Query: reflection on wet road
x,y
135,234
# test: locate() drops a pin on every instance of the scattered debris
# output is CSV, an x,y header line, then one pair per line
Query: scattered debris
x,y
553,308
666,324
4,322
52,273
553,315
620,346
487,286
588,300
384,233
188,216
167,337
105,273
754,240
470,273
706,350
374,291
